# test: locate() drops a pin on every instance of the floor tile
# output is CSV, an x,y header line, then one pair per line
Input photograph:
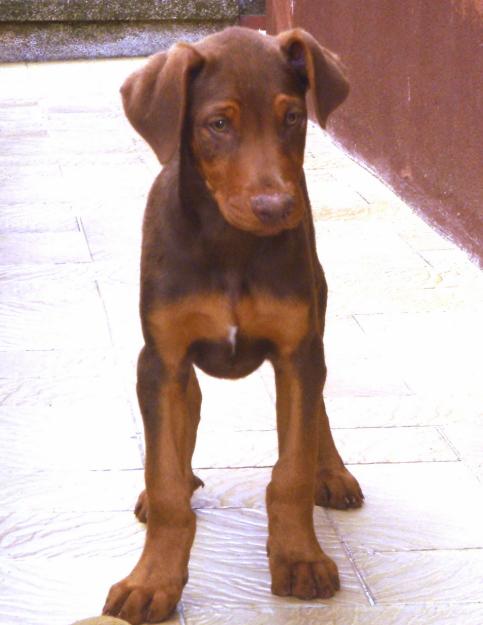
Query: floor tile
x,y
67,314
467,440
54,363
359,243
97,535
27,190
62,590
239,405
362,376
217,449
232,488
414,507
68,490
60,378
82,436
119,180
469,614
43,218
420,342
121,304
406,444
231,569
421,236
44,247
408,410
331,199
403,392
422,577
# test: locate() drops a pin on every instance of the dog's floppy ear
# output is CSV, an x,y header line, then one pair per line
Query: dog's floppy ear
x,y
319,67
154,98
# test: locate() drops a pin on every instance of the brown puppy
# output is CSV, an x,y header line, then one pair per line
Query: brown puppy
x,y
230,278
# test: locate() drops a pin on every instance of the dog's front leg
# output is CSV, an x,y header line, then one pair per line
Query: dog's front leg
x,y
298,565
152,590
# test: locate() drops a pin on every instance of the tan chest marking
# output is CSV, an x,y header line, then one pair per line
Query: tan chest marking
x,y
283,321
213,317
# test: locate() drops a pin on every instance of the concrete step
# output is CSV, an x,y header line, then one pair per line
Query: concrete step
x,y
41,30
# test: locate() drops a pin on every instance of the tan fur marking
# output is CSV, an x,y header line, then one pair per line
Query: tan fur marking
x,y
284,321
175,326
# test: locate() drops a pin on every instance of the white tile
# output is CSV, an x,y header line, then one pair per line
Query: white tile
x,y
62,438
467,440
437,351
421,506
80,491
406,444
424,577
232,488
469,614
407,410
229,566
222,448
62,590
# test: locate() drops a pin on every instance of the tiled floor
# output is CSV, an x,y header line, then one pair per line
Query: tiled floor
x,y
405,388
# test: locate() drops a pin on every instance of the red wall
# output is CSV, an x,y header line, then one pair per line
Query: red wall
x,y
415,111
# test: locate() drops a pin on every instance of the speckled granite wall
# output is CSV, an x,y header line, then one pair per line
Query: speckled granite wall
x,y
112,10
58,41
40,30
251,7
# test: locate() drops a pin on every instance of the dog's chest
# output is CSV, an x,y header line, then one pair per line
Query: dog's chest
x,y
228,326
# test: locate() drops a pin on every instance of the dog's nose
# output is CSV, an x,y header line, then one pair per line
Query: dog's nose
x,y
272,208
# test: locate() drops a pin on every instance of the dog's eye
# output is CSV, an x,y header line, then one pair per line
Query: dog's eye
x,y
219,125
292,118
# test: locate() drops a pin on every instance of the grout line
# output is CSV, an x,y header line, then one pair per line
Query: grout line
x,y
119,372
80,225
361,327
352,464
360,578
360,194
204,508
248,466
109,330
127,469
383,427
432,426
447,440
428,549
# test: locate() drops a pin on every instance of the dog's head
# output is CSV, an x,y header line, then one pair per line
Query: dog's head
x,y
239,99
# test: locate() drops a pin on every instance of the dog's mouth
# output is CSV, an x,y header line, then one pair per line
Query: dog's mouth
x,y
262,215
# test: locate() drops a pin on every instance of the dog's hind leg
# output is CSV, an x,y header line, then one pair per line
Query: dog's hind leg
x,y
335,486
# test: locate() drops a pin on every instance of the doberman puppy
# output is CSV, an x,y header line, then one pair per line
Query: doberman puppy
x,y
230,278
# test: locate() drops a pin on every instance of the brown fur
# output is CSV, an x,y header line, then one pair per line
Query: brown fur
x,y
230,278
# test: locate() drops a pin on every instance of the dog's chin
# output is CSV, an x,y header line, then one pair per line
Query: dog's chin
x,y
273,231
247,222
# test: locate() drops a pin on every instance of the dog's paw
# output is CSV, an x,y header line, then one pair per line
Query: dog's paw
x,y
305,580
142,599
337,488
